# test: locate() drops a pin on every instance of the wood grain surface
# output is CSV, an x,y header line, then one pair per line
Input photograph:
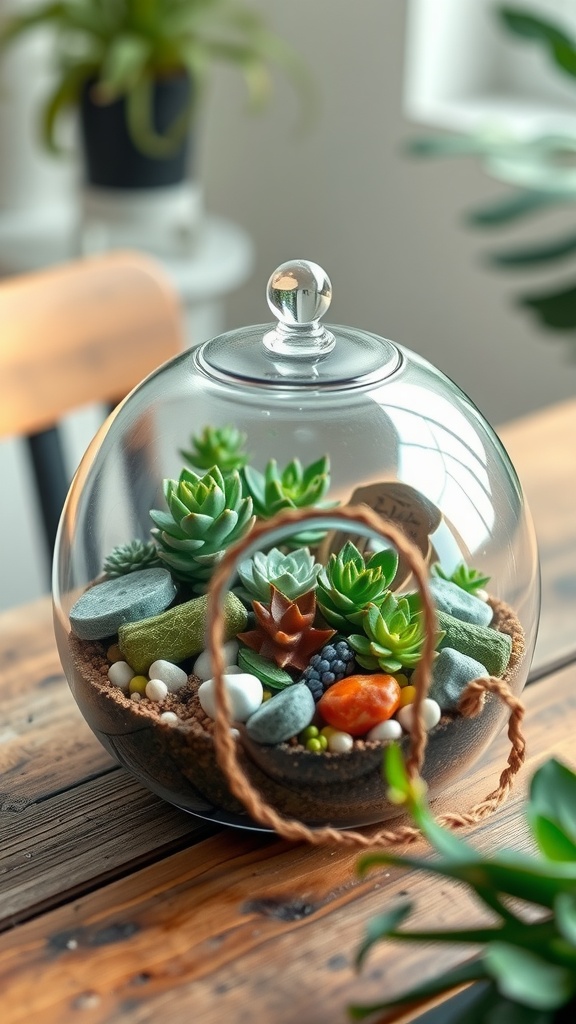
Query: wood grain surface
x,y
241,926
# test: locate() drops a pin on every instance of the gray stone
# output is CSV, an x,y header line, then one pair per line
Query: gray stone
x,y
283,716
451,673
105,607
450,598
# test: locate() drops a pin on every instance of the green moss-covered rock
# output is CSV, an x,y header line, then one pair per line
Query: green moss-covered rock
x,y
488,646
178,633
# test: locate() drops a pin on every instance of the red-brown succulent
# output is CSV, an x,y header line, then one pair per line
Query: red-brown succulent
x,y
285,633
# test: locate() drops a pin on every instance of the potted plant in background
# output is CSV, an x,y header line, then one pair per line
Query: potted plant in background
x,y
135,70
527,966
540,166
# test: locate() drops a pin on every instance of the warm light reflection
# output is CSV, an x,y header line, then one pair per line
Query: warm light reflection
x,y
441,455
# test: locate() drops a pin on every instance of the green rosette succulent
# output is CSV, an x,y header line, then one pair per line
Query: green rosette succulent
x,y
394,635
294,487
293,574
348,584
217,446
467,579
206,514
131,557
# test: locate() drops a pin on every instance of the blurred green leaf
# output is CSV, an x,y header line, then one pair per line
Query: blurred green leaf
x,y
380,927
511,208
552,841
555,309
565,913
561,47
527,978
473,970
534,254
553,794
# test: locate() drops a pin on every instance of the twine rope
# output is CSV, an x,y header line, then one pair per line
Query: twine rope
x,y
470,705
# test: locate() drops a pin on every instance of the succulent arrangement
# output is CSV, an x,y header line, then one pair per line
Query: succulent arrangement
x,y
320,646
527,961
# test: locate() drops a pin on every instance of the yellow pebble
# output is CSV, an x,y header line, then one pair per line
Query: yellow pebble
x,y
138,684
328,731
401,679
266,695
114,654
407,695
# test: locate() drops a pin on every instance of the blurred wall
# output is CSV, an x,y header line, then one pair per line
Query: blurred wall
x,y
388,229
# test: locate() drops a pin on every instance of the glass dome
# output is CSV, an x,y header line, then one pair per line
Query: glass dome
x,y
292,415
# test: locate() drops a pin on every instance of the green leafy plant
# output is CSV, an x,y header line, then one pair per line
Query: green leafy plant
x,y
348,584
467,579
541,169
528,961
217,446
131,557
292,574
205,515
124,46
394,635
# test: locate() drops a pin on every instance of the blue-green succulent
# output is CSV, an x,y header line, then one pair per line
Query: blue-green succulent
x,y
292,574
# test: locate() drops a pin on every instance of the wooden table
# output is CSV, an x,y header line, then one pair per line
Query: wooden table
x,y
114,907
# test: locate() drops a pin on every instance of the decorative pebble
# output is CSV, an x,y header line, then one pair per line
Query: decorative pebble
x,y
340,742
407,696
102,609
203,665
451,673
136,697
488,646
169,717
450,598
287,714
401,679
178,633
138,684
244,691
389,730
114,653
120,674
174,677
156,690
431,715
357,703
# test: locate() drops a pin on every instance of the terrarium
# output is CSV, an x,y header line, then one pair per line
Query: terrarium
x,y
322,619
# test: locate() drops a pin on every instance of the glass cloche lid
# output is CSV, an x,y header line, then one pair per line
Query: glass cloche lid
x,y
293,414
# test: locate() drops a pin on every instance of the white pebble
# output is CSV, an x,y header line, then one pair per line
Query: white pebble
x,y
431,715
120,674
340,742
169,717
244,690
482,595
389,730
136,697
203,664
174,677
156,690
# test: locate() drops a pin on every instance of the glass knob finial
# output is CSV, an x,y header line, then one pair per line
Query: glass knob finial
x,y
299,293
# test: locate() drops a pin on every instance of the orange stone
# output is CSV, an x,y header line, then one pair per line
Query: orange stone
x,y
357,703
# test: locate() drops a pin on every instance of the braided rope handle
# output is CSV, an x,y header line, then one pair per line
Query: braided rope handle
x,y
471,702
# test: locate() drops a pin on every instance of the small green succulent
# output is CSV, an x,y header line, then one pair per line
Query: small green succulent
x,y
126,558
217,446
292,574
348,584
206,514
294,487
527,958
467,579
394,634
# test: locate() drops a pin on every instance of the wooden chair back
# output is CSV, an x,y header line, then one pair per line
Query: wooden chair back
x,y
82,333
